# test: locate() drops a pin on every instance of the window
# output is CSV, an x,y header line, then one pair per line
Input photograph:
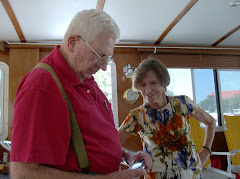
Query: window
x,y
230,92
180,82
4,76
215,91
107,82
205,91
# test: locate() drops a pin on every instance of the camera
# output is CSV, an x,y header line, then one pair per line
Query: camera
x,y
137,165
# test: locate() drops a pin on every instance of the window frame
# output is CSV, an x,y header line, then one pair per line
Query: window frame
x,y
4,96
216,75
114,91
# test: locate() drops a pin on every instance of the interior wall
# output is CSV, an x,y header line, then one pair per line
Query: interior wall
x,y
4,58
22,60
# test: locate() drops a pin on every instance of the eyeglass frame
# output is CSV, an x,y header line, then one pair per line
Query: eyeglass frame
x,y
98,56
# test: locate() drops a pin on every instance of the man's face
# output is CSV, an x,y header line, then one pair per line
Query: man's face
x,y
85,62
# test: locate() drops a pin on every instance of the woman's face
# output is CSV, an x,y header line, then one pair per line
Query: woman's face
x,y
152,90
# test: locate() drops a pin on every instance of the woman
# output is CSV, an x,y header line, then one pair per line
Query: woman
x,y
162,123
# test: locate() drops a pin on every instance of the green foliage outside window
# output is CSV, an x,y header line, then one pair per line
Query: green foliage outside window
x,y
103,79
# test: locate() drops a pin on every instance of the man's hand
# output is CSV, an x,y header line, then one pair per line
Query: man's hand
x,y
126,174
133,157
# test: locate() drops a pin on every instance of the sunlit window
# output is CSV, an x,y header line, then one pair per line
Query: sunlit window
x,y
205,91
216,91
4,76
107,82
180,82
230,92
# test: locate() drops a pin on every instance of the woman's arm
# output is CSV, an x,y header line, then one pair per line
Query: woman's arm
x,y
210,123
123,135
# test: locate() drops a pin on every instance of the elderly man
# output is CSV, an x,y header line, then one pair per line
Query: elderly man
x,y
41,146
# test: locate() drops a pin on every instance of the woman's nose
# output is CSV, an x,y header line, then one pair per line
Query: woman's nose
x,y
147,89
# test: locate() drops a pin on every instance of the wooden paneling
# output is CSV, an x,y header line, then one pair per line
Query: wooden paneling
x,y
21,61
179,60
4,58
123,57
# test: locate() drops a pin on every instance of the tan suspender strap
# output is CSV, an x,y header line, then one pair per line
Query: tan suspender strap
x,y
76,137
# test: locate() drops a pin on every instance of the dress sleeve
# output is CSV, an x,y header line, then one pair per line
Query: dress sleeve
x,y
192,106
130,124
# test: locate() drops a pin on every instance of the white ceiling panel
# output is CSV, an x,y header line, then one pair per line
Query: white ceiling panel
x,y
7,31
47,20
232,41
141,20
204,24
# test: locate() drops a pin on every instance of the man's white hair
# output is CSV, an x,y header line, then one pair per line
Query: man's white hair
x,y
90,23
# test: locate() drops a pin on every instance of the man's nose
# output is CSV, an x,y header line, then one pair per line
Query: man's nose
x,y
104,66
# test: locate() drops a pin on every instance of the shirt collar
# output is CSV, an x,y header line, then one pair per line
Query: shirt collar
x,y
65,70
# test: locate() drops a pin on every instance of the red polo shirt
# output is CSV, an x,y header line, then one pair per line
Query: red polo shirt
x,y
41,125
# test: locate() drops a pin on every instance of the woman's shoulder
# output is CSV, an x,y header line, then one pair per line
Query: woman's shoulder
x,y
138,109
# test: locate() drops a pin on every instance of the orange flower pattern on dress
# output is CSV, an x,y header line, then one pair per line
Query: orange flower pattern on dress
x,y
165,134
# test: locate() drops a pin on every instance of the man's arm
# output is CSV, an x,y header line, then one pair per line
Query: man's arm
x,y
20,170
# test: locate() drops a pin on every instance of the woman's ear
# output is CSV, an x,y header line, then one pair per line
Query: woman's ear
x,y
72,41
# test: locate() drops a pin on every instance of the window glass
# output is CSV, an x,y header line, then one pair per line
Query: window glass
x,y
103,79
180,82
107,82
205,91
230,92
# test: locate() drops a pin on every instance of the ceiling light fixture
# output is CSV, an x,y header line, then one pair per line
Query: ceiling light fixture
x,y
234,3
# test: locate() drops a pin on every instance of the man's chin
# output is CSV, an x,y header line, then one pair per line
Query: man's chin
x,y
87,76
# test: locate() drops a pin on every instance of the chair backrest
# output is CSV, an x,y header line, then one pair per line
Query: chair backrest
x,y
198,136
232,136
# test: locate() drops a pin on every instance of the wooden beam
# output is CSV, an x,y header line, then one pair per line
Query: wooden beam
x,y
226,36
14,20
100,4
176,20
3,46
4,52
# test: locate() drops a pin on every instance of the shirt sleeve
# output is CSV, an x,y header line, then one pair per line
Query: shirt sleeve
x,y
130,124
192,106
41,128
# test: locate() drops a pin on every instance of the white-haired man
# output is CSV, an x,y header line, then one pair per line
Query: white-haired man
x,y
41,146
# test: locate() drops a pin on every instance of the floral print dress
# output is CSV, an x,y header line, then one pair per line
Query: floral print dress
x,y
165,135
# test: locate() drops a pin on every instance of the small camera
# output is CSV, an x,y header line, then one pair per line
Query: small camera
x,y
137,165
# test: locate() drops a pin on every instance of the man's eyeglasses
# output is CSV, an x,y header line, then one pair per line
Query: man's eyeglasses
x,y
100,59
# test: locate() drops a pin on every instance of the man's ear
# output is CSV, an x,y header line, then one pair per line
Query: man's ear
x,y
72,41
